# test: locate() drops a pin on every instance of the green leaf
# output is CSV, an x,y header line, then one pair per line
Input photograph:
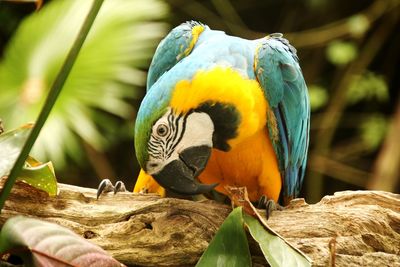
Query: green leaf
x,y
275,250
39,175
229,246
11,144
368,86
340,52
318,96
41,243
373,131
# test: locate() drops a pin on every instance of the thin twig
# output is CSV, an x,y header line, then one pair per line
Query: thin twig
x,y
387,165
320,36
228,13
338,170
310,38
332,251
335,109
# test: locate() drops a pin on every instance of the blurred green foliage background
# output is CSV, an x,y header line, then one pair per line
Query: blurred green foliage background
x,y
349,53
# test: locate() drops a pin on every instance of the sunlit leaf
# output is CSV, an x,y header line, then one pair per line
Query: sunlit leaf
x,y
318,96
229,246
35,173
105,77
268,239
276,251
41,243
340,52
368,86
39,175
373,131
10,147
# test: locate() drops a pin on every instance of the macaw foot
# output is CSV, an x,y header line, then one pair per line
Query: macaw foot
x,y
269,205
106,186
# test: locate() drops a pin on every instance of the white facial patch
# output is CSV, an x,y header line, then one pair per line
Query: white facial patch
x,y
172,134
198,132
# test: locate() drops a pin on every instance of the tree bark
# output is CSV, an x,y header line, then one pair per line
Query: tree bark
x,y
351,228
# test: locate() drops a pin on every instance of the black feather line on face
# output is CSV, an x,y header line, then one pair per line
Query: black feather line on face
x,y
226,120
172,130
182,131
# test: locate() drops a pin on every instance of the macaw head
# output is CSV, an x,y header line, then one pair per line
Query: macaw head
x,y
176,130
174,148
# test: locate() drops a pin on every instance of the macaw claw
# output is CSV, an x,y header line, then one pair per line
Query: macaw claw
x,y
106,186
119,187
269,205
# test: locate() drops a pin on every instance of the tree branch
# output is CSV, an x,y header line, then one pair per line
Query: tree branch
x,y
348,229
387,164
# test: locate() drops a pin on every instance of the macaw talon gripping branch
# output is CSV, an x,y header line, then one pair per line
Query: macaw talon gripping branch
x,y
106,186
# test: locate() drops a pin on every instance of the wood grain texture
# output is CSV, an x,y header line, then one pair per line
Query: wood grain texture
x,y
351,228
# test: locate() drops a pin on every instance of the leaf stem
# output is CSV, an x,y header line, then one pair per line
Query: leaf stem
x,y
51,99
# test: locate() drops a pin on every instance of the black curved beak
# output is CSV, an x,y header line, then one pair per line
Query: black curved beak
x,y
179,175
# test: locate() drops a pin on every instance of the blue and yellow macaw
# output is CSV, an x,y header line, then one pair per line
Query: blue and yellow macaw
x,y
221,110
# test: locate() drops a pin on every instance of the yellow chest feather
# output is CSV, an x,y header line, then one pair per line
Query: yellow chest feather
x,y
251,163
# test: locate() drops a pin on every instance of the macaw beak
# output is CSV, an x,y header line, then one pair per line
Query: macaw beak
x,y
179,175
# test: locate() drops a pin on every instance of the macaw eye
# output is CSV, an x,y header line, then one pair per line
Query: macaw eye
x,y
162,130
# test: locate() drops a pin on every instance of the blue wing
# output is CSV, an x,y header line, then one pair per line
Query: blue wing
x,y
175,46
279,74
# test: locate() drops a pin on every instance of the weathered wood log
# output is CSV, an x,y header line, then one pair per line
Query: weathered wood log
x,y
352,228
